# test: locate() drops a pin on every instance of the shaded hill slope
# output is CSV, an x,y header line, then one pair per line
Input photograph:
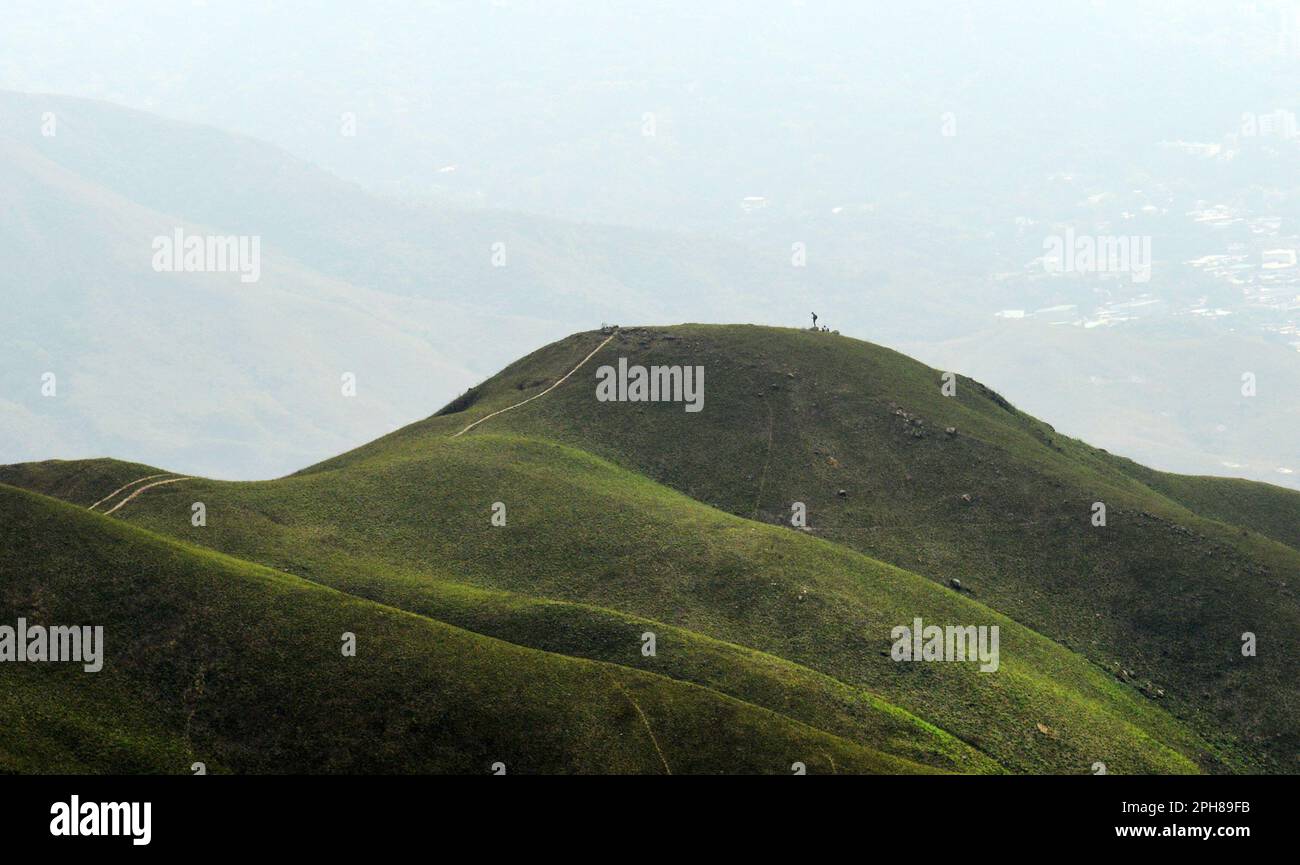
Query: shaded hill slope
x,y
612,555
1161,595
211,659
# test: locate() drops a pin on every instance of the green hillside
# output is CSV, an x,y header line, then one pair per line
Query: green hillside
x,y
1003,503
1117,643
238,666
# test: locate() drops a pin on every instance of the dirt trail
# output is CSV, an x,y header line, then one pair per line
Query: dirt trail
x,y
644,720
142,489
124,486
543,393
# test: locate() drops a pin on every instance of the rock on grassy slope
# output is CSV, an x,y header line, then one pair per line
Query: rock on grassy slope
x,y
598,550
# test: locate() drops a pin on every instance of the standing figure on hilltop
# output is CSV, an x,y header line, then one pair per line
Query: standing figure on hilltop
x,y
814,315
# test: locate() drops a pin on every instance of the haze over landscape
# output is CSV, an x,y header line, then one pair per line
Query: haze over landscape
x,y
325,324
652,166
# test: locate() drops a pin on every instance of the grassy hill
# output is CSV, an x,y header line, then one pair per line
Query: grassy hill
x,y
1002,503
630,518
211,659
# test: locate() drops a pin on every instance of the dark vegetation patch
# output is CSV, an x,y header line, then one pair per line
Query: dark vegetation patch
x,y
460,403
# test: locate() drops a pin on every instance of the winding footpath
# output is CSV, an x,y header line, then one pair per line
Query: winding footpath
x,y
543,393
139,490
125,486
142,489
135,492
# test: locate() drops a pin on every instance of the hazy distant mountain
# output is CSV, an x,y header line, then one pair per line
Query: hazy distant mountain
x,y
1157,381
244,380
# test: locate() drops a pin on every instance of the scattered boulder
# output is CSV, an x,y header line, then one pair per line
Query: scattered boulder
x,y
966,497
952,430
1150,690
844,494
912,425
955,583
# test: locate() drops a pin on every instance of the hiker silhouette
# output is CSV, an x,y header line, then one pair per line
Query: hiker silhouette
x,y
814,315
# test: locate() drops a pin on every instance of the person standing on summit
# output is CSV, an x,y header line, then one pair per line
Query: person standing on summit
x,y
814,315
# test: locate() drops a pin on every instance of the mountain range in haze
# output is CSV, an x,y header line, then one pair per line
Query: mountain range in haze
x,y
418,299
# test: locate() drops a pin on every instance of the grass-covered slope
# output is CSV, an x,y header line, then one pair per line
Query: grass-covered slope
x,y
82,482
775,618
211,659
573,629
1162,594
1271,511
598,550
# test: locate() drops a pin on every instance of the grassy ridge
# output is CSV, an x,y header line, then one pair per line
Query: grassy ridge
x,y
596,552
81,482
589,632
583,531
765,680
212,659
1249,505
1003,503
